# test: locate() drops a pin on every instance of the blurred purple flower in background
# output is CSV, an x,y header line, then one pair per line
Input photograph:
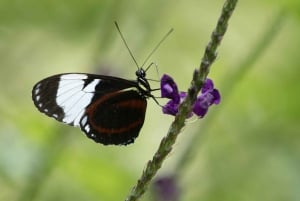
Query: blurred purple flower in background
x,y
166,189
209,95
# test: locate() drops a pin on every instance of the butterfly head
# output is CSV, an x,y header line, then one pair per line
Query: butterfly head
x,y
140,73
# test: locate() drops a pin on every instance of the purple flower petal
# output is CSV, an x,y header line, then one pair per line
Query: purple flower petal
x,y
169,88
166,189
205,100
202,104
170,108
200,111
217,96
207,86
182,96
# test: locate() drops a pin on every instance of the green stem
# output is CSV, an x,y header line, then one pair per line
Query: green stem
x,y
199,77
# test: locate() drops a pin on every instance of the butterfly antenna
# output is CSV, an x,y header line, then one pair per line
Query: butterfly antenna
x,y
157,46
117,26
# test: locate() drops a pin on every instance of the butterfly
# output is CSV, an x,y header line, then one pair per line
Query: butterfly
x,y
110,110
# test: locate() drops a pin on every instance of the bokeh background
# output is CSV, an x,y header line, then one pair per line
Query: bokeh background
x,y
246,148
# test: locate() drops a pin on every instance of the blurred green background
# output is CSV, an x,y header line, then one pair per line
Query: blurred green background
x,y
246,148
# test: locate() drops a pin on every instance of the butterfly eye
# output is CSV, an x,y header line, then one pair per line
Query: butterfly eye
x,y
140,73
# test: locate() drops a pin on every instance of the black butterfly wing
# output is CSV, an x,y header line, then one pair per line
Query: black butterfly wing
x,y
115,118
109,110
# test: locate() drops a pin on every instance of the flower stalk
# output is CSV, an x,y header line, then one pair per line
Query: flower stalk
x,y
185,108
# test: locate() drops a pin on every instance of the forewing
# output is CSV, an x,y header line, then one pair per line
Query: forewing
x,y
64,97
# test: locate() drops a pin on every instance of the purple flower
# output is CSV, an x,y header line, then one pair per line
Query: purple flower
x,y
166,189
209,95
169,88
205,100
172,105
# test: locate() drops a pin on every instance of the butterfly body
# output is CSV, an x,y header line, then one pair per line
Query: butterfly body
x,y
109,110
